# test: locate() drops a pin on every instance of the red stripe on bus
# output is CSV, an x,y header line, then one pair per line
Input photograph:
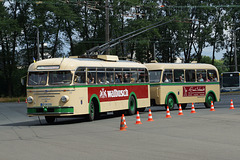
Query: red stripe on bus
x,y
115,93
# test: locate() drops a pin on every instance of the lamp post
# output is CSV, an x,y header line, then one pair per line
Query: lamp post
x,y
235,49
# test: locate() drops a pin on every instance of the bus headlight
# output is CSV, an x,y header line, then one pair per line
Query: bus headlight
x,y
64,98
30,99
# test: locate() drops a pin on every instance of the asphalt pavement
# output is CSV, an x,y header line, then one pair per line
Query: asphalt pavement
x,y
204,135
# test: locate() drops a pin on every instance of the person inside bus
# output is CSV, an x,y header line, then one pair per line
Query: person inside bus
x,y
214,78
125,79
169,78
200,79
165,79
117,80
92,80
180,79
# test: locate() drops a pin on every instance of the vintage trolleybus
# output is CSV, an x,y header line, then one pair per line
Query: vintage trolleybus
x,y
179,83
83,86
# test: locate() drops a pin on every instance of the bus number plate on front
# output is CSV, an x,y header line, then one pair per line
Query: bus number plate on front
x,y
46,104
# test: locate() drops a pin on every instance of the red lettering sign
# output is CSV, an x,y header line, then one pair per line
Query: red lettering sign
x,y
190,91
115,93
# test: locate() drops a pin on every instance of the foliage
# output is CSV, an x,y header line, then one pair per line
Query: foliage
x,y
80,25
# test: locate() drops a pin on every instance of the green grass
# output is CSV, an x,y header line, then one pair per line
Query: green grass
x,y
13,99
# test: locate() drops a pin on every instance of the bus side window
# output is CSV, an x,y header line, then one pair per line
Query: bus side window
x,y
178,75
141,77
80,75
110,75
201,75
167,76
212,75
133,75
91,76
126,75
190,75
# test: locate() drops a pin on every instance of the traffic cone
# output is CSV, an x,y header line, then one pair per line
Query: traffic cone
x,y
212,106
138,121
150,116
180,110
168,113
124,120
18,100
231,105
122,125
26,100
193,109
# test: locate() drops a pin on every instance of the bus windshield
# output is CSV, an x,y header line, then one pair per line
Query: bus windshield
x,y
37,78
60,77
230,80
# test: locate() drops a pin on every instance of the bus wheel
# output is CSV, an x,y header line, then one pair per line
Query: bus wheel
x,y
209,99
170,102
50,119
184,105
91,111
132,106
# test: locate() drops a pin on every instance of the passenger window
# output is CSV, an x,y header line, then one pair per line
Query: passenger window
x,y
80,75
201,75
118,75
91,76
133,75
190,75
212,75
178,75
167,76
101,75
141,75
110,75
126,75
155,76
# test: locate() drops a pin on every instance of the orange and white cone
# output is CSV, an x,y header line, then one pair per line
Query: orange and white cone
x,y
193,109
212,106
231,105
18,100
180,110
168,113
26,100
122,125
124,120
150,116
138,121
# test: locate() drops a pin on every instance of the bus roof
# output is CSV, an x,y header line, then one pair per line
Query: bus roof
x,y
161,66
73,63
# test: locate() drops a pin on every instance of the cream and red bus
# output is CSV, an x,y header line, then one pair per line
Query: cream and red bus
x,y
84,86
179,83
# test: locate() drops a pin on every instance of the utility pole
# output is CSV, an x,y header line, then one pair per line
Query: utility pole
x,y
38,57
235,49
107,24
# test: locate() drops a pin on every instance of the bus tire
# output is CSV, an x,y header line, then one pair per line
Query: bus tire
x,y
92,111
132,106
209,98
50,119
170,102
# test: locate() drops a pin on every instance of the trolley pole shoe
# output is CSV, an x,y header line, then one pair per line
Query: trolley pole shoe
x,y
124,120
180,110
193,109
150,116
231,105
122,125
138,121
212,106
168,113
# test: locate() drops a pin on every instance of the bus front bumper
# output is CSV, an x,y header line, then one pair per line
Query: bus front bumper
x,y
57,110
